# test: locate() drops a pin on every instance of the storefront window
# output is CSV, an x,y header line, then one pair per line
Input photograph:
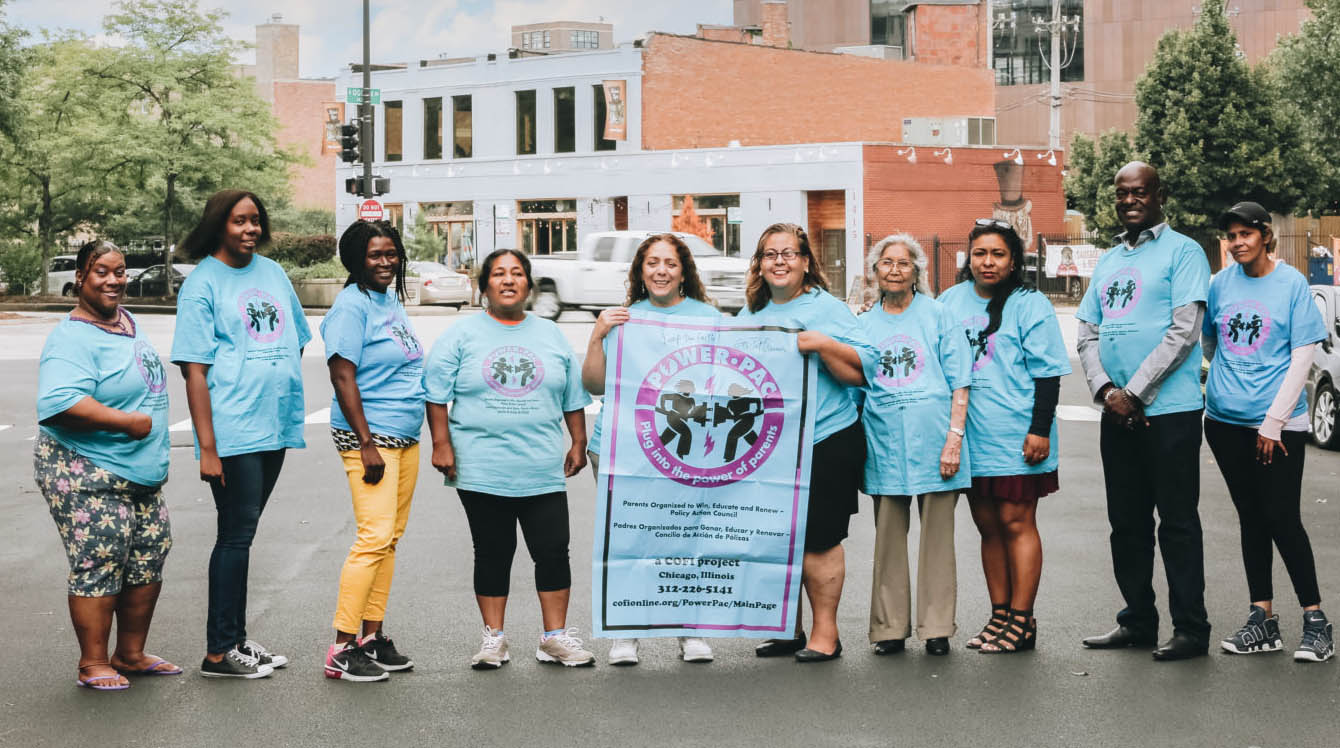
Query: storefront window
x,y
547,226
455,223
714,212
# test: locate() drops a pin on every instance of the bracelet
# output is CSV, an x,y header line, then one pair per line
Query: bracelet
x,y
955,430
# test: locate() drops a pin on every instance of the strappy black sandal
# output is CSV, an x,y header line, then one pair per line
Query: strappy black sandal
x,y
1000,615
1019,635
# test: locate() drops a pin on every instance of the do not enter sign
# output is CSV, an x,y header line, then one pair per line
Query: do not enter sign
x,y
370,210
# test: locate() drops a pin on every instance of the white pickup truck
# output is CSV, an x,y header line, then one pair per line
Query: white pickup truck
x,y
596,275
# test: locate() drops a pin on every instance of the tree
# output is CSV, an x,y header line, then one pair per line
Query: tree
x,y
1304,70
422,243
1089,185
1208,122
11,72
689,222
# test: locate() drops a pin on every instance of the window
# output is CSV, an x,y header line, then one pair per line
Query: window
x,y
712,211
1019,46
394,121
604,249
535,40
565,120
585,40
462,129
455,223
888,23
547,226
395,214
981,131
432,128
601,144
525,123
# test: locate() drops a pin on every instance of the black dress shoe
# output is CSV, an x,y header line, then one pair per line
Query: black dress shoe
x,y
890,646
780,647
1181,647
1120,638
811,655
937,646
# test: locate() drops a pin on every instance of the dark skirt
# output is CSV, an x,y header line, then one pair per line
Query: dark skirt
x,y
836,468
1016,489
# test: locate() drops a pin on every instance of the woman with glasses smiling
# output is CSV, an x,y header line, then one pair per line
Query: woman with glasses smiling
x,y
786,288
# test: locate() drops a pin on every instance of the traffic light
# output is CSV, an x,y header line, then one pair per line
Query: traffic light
x,y
354,185
349,137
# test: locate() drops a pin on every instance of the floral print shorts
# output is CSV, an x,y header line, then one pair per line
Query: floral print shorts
x,y
115,532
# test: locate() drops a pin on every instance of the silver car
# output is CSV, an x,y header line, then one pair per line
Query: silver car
x,y
439,284
1322,399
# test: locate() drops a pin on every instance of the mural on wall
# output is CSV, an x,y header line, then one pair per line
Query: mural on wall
x,y
1014,208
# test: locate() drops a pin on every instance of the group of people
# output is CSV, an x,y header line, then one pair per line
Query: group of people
x,y
918,397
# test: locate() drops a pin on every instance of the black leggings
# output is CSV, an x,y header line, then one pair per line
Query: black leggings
x,y
544,523
1267,498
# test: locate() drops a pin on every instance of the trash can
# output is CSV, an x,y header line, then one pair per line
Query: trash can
x,y
1321,271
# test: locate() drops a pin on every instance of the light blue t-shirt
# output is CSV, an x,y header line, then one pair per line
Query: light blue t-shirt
x,y
370,330
685,308
247,324
1131,299
508,387
922,359
1258,322
821,311
1027,346
123,372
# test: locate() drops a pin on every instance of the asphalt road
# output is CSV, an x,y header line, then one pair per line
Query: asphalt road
x,y
1060,695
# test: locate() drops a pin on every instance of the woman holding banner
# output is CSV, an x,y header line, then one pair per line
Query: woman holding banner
x,y
663,278
512,382
785,287
919,391
1018,359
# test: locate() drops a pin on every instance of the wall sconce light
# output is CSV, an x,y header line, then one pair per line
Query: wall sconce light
x,y
947,155
1018,156
1050,155
911,154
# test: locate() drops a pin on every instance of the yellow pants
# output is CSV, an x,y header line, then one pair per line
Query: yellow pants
x,y
381,511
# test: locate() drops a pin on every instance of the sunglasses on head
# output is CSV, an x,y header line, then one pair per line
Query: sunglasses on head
x,y
994,223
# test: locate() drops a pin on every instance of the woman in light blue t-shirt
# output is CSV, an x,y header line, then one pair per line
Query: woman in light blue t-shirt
x,y
662,278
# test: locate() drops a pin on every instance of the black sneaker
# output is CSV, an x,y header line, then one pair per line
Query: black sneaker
x,y
1318,643
235,664
265,656
381,650
349,662
1259,634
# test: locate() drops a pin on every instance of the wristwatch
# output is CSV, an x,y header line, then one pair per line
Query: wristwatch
x,y
955,430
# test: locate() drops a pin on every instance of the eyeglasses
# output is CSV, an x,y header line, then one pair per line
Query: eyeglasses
x,y
994,223
903,265
772,255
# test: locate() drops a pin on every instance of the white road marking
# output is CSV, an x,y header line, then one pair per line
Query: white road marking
x,y
181,426
6,426
318,416
1079,413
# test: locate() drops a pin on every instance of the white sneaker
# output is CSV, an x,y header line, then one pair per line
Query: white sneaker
x,y
694,649
492,652
564,648
623,652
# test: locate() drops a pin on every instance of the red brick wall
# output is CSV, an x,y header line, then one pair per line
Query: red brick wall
x,y
724,34
298,107
950,34
930,198
699,94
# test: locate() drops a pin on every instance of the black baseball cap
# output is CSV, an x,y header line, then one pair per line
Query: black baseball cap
x,y
1248,212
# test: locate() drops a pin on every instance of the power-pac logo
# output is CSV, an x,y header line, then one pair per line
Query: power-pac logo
x,y
901,361
708,415
1120,292
1244,327
983,346
262,315
150,367
513,370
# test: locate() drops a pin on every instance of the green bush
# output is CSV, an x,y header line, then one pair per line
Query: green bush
x,y
310,221
300,250
327,269
22,266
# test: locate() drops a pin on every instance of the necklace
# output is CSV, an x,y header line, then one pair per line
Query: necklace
x,y
118,327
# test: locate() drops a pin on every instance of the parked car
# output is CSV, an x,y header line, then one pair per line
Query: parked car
x,y
439,284
1322,400
153,281
595,276
60,276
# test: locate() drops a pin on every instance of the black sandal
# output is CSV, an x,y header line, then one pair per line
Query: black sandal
x,y
1000,615
1019,635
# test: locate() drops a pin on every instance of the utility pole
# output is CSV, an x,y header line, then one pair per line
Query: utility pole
x,y
1054,133
1060,57
365,108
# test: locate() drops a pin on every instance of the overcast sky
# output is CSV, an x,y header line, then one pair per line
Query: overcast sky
x,y
401,29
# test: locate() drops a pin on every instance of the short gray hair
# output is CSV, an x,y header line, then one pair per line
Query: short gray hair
x,y
919,263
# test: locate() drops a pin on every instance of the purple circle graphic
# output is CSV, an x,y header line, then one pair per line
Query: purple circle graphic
x,y
262,315
150,367
513,370
399,330
1244,327
983,347
1120,293
708,415
901,361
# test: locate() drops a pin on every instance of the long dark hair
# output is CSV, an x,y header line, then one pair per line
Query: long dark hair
x,y
691,284
1007,285
486,268
354,253
756,290
207,235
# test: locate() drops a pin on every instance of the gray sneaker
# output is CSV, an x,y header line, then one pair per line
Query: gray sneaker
x,y
564,648
1318,643
1259,634
492,652
265,656
236,663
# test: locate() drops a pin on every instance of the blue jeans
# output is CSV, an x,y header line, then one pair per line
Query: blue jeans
x,y
248,480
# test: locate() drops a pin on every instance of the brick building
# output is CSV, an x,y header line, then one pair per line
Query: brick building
x,y
756,132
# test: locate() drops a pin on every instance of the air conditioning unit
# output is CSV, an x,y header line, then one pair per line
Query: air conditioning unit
x,y
949,131
877,51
